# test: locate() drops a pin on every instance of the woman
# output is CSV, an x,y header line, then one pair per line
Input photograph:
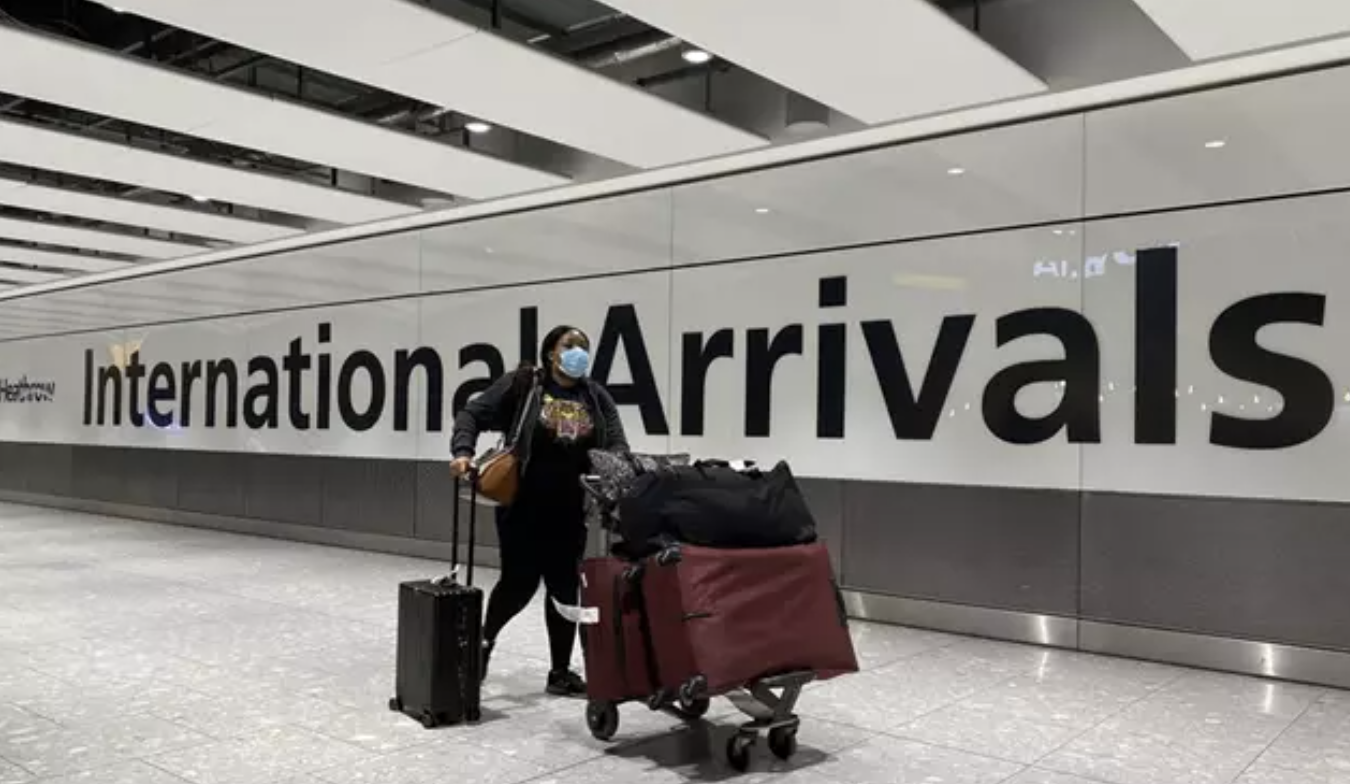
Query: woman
x,y
543,533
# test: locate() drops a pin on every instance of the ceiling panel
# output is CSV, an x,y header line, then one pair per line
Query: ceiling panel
x,y
876,60
136,91
66,152
41,198
15,275
1206,29
90,239
58,261
406,49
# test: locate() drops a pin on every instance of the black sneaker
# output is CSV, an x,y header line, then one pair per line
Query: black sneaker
x,y
565,683
483,661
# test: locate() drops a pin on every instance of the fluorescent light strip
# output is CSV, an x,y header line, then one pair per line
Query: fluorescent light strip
x,y
1205,31
28,145
90,239
58,261
404,48
42,198
877,60
137,91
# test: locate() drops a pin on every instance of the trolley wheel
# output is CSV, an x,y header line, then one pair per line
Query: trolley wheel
x,y
695,708
783,742
738,751
602,719
396,705
428,720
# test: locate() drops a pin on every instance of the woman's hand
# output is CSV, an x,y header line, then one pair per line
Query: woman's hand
x,y
460,466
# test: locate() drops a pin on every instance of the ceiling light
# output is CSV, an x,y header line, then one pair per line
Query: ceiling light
x,y
200,199
956,171
762,210
1215,144
696,56
477,126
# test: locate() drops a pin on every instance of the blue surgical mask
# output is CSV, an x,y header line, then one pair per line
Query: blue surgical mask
x,y
575,362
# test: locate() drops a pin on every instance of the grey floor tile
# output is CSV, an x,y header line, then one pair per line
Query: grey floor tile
x,y
116,739
1002,734
1129,755
1317,744
273,753
133,772
1042,776
884,759
13,774
435,763
1264,773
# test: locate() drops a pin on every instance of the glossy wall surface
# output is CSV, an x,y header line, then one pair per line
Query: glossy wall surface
x,y
1082,369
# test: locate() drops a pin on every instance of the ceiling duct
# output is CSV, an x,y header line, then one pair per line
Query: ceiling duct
x,y
804,116
630,54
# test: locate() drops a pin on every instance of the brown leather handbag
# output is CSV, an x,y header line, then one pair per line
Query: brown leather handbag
x,y
498,470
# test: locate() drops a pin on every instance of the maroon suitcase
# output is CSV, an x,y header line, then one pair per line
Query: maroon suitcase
x,y
720,619
616,654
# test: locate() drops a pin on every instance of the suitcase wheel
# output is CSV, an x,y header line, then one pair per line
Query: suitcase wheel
x,y
783,742
428,720
602,719
738,750
396,705
694,708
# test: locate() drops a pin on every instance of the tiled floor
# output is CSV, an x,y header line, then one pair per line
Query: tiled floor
x,y
140,654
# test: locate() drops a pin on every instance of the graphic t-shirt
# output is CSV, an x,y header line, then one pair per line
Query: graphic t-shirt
x,y
563,436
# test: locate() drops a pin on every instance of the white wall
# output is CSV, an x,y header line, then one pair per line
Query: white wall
x,y
1046,215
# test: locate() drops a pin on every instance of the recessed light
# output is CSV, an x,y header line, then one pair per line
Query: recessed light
x,y
200,199
477,126
1059,232
696,56
956,171
762,210
1214,144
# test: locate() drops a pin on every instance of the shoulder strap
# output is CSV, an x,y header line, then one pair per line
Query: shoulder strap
x,y
523,410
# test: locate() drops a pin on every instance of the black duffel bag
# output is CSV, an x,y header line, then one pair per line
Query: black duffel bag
x,y
711,504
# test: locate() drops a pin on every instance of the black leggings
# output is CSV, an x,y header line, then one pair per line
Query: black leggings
x,y
538,546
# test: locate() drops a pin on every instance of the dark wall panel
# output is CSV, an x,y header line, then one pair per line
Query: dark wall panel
x,y
826,499
1266,570
284,488
435,507
149,477
96,474
46,468
212,483
374,496
1003,548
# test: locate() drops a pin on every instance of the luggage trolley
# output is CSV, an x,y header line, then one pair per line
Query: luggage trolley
x,y
769,701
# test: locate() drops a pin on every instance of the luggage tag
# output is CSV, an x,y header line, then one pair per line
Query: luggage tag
x,y
579,615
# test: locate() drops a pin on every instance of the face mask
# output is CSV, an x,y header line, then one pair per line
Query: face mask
x,y
575,362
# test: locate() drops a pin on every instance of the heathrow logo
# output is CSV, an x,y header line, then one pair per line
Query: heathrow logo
x,y
25,390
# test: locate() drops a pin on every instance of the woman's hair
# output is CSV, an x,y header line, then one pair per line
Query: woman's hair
x,y
551,341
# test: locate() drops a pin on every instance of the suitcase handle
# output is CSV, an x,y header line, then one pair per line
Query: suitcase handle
x,y
473,528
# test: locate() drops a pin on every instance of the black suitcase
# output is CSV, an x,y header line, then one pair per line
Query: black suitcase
x,y
440,640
